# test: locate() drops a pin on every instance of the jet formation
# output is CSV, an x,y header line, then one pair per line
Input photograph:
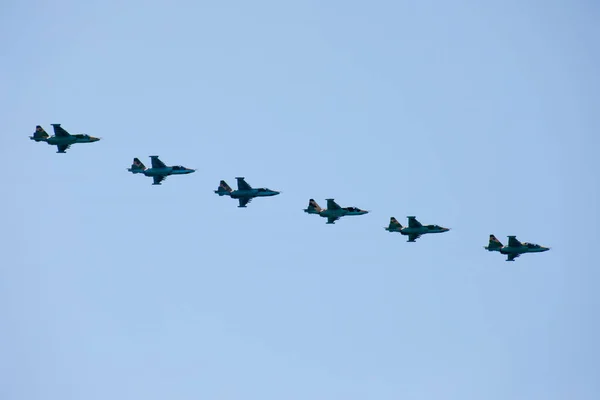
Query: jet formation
x,y
61,139
415,229
159,171
244,193
514,248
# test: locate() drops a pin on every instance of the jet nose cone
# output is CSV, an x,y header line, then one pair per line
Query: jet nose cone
x,y
94,139
445,229
190,170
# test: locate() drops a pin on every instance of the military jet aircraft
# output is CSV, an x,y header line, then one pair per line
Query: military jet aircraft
x,y
159,170
415,229
61,139
333,212
245,193
514,248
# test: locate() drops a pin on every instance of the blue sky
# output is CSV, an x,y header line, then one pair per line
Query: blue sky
x,y
479,117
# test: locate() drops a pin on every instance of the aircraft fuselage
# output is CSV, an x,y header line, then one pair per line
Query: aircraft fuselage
x,y
522,249
421,230
237,194
66,140
342,212
165,171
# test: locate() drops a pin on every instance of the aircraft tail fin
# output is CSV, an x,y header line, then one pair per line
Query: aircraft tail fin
x,y
40,134
313,207
223,189
137,166
394,225
494,244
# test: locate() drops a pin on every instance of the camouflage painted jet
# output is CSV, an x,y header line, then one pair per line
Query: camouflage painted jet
x,y
159,170
245,193
333,212
514,248
61,139
415,229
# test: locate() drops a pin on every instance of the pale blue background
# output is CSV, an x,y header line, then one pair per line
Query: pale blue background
x,y
479,116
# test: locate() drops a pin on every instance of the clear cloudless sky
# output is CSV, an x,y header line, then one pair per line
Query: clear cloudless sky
x,y
478,116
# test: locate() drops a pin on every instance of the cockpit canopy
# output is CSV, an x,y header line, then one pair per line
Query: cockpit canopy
x,y
531,245
178,168
262,190
352,208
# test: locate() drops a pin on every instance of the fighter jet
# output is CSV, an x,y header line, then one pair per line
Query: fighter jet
x,y
245,193
159,170
415,229
514,248
61,139
333,212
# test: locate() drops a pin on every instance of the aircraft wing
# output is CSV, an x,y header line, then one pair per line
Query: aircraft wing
x,y
59,131
156,163
513,242
63,147
413,223
158,179
511,257
332,205
331,220
242,185
244,200
413,237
